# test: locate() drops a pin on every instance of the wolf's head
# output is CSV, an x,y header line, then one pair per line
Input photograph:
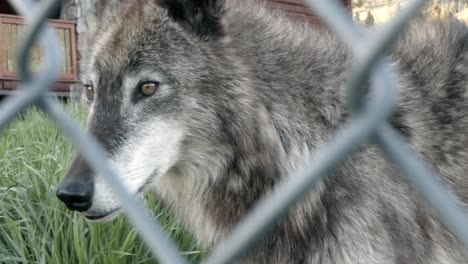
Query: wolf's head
x,y
153,80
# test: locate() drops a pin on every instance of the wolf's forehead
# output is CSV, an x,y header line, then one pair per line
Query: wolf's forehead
x,y
122,35
112,49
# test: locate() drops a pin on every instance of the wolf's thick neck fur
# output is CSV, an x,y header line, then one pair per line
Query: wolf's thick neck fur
x,y
292,77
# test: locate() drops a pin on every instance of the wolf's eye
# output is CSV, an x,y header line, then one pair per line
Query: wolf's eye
x,y
148,88
89,91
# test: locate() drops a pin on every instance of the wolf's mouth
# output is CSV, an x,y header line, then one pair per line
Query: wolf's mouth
x,y
102,217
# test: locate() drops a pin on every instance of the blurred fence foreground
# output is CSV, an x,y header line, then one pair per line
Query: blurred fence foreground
x,y
369,61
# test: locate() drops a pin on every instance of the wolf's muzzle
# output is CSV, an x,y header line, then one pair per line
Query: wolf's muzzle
x,y
76,189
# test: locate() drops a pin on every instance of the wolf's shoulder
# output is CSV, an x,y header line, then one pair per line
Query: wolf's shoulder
x,y
433,47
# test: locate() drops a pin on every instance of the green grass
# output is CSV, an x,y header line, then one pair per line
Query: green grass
x,y
36,228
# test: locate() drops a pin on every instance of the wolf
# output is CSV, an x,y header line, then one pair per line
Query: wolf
x,y
211,104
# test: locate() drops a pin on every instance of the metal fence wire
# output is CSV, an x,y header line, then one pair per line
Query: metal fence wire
x,y
368,122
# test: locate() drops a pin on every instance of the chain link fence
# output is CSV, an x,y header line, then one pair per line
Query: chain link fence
x,y
368,122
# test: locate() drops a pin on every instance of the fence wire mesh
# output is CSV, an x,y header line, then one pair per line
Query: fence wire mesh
x,y
368,122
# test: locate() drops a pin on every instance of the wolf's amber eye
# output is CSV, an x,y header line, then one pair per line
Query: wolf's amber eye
x,y
148,88
89,91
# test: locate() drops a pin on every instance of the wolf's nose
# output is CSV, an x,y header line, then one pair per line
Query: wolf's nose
x,y
77,196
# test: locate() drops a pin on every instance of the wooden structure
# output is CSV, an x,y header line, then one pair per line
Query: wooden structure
x,y
11,32
297,9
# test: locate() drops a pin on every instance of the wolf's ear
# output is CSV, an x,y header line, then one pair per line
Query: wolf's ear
x,y
203,17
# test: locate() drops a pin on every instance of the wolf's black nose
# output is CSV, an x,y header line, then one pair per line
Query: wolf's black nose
x,y
77,196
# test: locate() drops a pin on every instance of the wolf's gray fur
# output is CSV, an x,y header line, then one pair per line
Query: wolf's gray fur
x,y
245,96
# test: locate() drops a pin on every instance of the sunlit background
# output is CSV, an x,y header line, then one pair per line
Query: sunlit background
x,y
378,11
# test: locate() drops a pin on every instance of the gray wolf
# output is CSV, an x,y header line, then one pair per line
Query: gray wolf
x,y
211,106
